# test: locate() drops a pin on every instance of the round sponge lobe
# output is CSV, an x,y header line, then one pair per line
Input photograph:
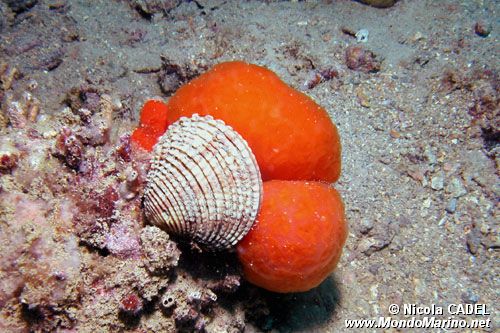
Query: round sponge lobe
x,y
292,137
152,124
297,239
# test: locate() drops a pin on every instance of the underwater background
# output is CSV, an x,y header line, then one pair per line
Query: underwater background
x,y
412,87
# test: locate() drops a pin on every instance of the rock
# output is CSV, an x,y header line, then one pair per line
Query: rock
x,y
161,253
230,284
452,206
368,246
9,156
469,297
482,29
147,8
362,36
6,16
359,59
473,240
172,75
429,154
19,6
365,226
437,182
456,188
379,3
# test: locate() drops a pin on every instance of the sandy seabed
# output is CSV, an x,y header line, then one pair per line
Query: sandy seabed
x,y
414,96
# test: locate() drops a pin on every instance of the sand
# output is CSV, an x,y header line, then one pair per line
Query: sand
x,y
415,100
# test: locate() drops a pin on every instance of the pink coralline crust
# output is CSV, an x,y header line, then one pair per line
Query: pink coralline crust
x,y
93,208
122,242
10,286
66,212
105,219
13,327
106,202
27,210
43,258
69,148
106,194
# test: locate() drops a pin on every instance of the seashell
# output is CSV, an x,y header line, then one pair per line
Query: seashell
x,y
204,183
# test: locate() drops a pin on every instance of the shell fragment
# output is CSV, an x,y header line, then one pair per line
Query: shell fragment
x,y
204,183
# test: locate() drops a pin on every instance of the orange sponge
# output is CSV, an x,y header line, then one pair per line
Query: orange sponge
x,y
152,125
297,239
291,136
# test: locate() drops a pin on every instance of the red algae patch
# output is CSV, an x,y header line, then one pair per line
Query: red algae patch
x,y
297,239
291,136
152,125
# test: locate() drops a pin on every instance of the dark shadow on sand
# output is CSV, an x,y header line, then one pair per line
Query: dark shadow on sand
x,y
302,311
267,310
206,265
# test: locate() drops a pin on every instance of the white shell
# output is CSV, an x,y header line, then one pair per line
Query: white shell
x,y
204,183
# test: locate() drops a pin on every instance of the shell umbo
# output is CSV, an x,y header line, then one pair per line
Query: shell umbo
x,y
204,183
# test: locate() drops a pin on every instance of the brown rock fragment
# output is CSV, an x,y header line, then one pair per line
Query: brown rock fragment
x,y
161,254
379,3
359,59
482,29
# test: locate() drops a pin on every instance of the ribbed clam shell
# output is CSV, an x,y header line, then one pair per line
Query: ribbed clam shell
x,y
204,183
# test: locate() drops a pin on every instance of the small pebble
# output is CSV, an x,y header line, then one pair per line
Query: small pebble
x,y
442,221
362,36
364,101
365,226
452,206
429,154
417,175
482,29
359,59
469,297
473,239
416,37
456,188
427,203
395,134
437,182
374,269
368,246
